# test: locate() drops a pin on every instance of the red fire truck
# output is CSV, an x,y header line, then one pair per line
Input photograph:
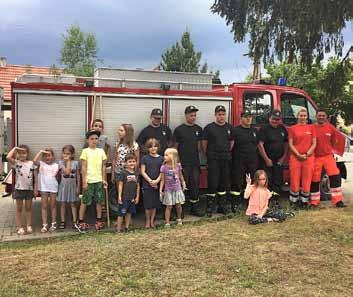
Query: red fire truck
x,y
57,110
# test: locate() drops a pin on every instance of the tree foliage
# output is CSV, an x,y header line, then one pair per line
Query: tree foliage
x,y
328,84
182,57
79,52
286,29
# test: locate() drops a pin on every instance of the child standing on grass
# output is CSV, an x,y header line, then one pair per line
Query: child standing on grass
x,y
69,187
172,185
126,145
93,180
128,192
47,186
150,171
18,158
259,196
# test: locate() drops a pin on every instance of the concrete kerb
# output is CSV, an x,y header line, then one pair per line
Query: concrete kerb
x,y
62,235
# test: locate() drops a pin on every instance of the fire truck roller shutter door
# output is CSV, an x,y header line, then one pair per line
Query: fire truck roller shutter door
x,y
126,110
50,121
205,115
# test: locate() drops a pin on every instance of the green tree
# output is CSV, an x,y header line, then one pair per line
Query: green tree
x,y
327,84
287,29
182,57
79,52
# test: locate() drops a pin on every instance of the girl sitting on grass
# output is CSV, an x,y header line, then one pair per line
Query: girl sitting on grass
x,y
259,196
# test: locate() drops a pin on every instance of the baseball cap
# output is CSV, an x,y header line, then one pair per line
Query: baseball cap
x,y
275,113
190,109
157,112
220,108
246,113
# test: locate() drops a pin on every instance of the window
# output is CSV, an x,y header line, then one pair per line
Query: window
x,y
291,104
260,104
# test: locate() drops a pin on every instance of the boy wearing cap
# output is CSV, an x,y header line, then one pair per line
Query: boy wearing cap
x,y
156,130
273,148
188,138
217,144
93,179
244,155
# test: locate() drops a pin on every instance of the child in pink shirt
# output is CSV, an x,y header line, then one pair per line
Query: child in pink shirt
x,y
259,196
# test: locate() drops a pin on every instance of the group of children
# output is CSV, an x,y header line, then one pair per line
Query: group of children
x,y
162,183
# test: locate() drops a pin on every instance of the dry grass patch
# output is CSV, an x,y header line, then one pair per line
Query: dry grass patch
x,y
309,255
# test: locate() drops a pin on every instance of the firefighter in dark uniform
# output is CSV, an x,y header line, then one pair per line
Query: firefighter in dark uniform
x,y
273,148
244,156
188,138
156,130
217,143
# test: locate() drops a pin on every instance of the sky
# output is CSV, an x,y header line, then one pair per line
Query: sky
x,y
130,33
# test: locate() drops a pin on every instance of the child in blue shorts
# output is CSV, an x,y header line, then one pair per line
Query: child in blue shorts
x,y
128,192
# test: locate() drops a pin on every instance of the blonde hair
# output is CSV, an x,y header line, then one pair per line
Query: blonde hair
x,y
175,156
257,175
302,109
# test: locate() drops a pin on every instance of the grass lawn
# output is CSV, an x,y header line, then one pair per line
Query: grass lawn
x,y
309,255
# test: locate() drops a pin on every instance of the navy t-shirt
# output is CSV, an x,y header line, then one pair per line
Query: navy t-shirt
x,y
218,140
188,138
245,143
162,133
153,167
274,140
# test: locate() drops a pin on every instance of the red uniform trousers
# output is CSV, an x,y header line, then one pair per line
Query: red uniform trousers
x,y
301,173
329,164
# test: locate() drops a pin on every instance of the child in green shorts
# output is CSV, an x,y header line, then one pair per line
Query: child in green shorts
x,y
93,180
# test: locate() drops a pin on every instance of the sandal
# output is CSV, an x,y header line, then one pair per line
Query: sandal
x,y
81,227
99,225
21,231
52,227
29,230
44,228
62,225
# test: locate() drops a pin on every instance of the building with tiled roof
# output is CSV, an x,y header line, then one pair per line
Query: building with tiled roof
x,y
8,74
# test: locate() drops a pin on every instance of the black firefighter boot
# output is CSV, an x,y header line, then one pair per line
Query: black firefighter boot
x,y
224,206
199,206
235,201
211,205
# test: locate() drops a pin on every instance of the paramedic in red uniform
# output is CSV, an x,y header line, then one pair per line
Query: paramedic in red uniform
x,y
302,143
326,136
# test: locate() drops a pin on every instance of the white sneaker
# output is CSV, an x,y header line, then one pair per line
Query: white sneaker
x,y
179,222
